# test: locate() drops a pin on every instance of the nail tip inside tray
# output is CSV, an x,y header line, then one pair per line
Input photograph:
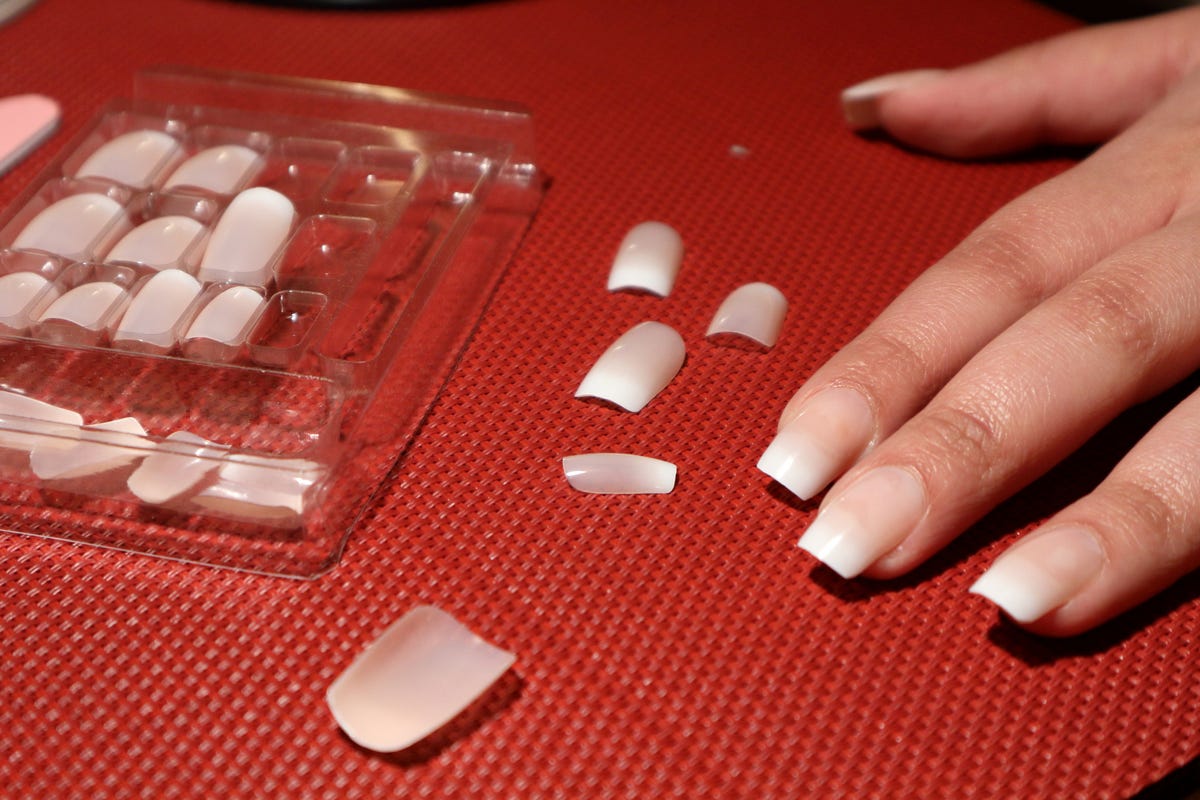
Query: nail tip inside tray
x,y
407,208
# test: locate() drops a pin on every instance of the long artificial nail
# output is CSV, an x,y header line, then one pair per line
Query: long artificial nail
x,y
413,679
19,418
177,465
755,311
102,447
18,290
226,318
247,238
160,243
830,431
866,521
648,259
88,305
1042,573
261,488
220,169
619,473
72,226
132,158
153,316
860,103
635,367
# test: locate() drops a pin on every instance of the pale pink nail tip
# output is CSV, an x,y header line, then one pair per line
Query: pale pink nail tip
x,y
619,473
421,673
865,521
860,102
27,120
647,260
754,311
636,367
1042,573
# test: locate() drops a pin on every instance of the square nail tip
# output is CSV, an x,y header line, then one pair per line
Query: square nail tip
x,y
843,564
802,486
1009,597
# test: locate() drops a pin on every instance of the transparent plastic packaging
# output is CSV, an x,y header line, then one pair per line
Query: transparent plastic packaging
x,y
228,303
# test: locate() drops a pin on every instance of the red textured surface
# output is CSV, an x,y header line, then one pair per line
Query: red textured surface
x,y
676,645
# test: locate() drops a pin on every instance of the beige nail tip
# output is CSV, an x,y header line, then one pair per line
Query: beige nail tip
x,y
261,488
176,465
421,673
636,367
247,238
103,447
159,243
154,315
860,102
71,227
132,158
754,311
221,169
227,317
87,305
22,421
18,291
647,260
619,473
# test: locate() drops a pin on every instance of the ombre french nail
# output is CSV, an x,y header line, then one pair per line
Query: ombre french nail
x,y
860,102
867,520
825,437
1039,574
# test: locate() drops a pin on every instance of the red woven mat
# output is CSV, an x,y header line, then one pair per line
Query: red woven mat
x,y
675,645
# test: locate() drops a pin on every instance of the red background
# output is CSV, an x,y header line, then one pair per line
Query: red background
x,y
675,645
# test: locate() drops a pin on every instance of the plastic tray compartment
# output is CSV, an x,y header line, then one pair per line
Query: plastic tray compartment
x,y
226,306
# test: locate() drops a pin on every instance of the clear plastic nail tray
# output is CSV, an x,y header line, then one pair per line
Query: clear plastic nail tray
x,y
226,306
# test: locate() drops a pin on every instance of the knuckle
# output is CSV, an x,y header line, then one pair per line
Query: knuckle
x,y
1148,510
890,357
1113,312
1003,259
965,439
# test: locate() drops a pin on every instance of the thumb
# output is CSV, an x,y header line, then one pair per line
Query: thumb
x,y
1080,88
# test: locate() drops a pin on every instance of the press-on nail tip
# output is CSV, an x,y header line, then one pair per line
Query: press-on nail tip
x,y
160,243
18,290
177,465
87,305
860,103
227,317
222,169
19,418
754,311
425,669
636,367
866,520
153,316
132,158
261,487
618,473
71,227
247,238
102,447
648,259
797,464
1041,573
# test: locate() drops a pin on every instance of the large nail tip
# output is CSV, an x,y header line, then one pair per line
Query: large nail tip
x,y
647,260
636,367
754,311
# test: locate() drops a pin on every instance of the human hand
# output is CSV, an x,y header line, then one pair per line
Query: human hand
x,y
1070,304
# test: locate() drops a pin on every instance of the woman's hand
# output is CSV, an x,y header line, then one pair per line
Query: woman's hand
x,y
1070,304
